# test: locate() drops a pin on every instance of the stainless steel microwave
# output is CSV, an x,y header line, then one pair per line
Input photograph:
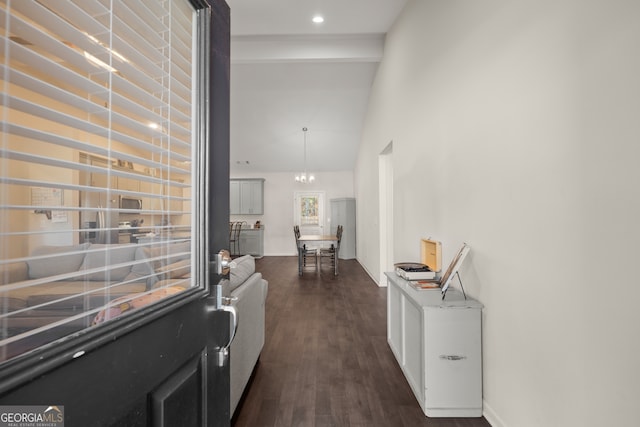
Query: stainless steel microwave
x,y
130,203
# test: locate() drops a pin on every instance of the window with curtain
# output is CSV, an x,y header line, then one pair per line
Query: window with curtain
x,y
97,185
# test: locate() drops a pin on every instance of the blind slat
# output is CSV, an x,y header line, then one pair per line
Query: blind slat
x,y
96,90
53,115
60,95
89,25
124,86
97,110
31,158
88,86
84,146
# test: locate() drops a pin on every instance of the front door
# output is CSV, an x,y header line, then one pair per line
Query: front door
x,y
145,88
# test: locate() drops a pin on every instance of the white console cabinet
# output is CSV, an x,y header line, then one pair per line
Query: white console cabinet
x,y
438,344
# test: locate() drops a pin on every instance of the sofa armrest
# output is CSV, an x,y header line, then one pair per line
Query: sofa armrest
x,y
14,272
249,339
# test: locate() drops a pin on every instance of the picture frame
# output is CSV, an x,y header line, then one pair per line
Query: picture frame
x,y
453,268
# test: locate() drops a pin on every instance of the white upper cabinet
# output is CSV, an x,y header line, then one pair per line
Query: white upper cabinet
x,y
234,197
246,196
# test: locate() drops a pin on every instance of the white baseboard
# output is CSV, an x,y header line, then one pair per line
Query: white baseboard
x,y
375,279
381,285
283,254
491,416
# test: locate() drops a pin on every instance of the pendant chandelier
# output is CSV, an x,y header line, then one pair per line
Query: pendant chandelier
x,y
304,177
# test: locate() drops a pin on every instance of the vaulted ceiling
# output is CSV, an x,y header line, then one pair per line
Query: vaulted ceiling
x,y
288,72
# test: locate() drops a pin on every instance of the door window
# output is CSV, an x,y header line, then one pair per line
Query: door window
x,y
309,208
98,184
309,212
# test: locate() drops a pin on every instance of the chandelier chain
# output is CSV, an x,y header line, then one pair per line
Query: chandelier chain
x,y
305,178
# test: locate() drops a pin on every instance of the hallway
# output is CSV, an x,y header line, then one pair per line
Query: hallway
x,y
326,361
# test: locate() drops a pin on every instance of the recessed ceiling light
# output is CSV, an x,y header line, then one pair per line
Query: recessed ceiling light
x,y
318,19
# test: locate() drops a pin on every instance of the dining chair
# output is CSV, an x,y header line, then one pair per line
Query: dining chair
x,y
234,237
331,253
232,241
304,254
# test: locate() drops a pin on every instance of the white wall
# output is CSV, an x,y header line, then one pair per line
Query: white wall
x,y
515,128
279,189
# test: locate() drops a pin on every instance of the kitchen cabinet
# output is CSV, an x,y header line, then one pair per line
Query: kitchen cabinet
x,y
246,196
102,180
159,204
438,345
106,180
252,241
148,202
251,199
234,197
152,190
175,206
127,184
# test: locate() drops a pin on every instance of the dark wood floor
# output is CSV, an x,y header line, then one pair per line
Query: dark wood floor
x,y
326,361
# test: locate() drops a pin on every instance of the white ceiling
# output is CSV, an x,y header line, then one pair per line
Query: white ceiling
x,y
288,73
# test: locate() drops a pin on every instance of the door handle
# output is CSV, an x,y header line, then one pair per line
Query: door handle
x,y
223,262
452,357
221,265
233,323
222,351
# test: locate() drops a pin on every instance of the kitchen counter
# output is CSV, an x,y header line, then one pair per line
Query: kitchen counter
x,y
163,237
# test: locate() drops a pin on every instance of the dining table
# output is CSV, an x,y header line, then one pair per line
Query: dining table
x,y
316,238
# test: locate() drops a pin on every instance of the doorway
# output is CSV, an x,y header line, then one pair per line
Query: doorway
x,y
385,190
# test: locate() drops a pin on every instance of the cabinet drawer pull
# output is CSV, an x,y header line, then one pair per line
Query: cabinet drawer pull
x,y
452,357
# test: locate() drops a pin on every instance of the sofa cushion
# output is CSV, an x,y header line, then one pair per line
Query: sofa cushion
x,y
175,270
11,303
245,267
128,303
68,295
13,272
143,269
164,254
61,260
117,254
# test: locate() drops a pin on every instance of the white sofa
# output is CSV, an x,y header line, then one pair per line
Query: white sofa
x,y
250,289
59,281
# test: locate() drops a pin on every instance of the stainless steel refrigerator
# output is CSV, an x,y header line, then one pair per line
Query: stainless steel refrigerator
x,y
99,215
343,212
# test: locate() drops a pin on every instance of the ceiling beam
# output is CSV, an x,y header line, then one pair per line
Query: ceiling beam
x,y
306,48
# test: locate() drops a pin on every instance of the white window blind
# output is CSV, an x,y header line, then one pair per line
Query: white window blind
x,y
98,107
